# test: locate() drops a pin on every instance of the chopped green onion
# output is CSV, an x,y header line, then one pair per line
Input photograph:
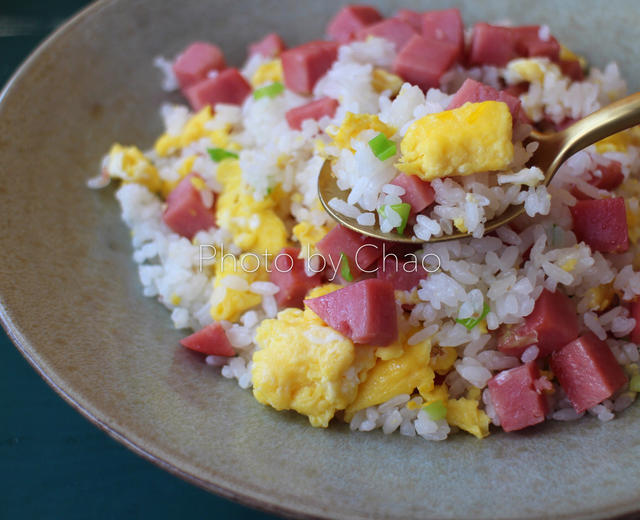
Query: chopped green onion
x,y
382,147
345,271
471,322
634,384
269,91
219,154
269,190
403,209
435,410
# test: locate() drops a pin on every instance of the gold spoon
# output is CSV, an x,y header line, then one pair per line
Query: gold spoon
x,y
553,150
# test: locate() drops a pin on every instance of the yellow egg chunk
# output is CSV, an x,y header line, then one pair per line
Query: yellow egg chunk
x,y
268,72
464,414
443,358
382,80
129,164
473,138
431,393
253,224
354,124
532,70
308,235
228,303
306,367
392,377
614,143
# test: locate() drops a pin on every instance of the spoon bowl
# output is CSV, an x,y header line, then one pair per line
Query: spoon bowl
x,y
553,150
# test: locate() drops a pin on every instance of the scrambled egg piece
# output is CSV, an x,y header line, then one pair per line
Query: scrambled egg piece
x,y
532,70
228,303
354,124
253,224
391,377
308,235
382,80
568,54
464,414
443,358
306,366
194,130
129,164
473,138
268,72
435,393
619,142
601,296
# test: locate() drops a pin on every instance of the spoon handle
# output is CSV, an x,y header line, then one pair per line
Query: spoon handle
x,y
607,121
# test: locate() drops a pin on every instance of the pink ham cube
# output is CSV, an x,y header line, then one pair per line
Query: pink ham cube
x,y
270,46
423,61
573,69
314,110
492,45
445,25
349,20
211,340
196,61
417,193
601,224
635,314
303,66
551,325
473,91
411,17
403,275
392,29
186,213
229,87
364,311
361,251
587,371
529,43
517,397
287,272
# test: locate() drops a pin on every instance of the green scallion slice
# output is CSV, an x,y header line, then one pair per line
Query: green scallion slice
x,y
436,410
270,91
403,209
382,147
219,154
471,322
345,271
634,384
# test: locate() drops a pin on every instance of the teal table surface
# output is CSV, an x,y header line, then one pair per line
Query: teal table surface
x,y
53,462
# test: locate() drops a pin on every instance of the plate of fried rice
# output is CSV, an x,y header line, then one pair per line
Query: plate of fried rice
x,y
169,268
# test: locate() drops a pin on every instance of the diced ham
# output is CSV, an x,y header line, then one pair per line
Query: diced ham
x,y
314,110
611,176
473,91
211,340
287,272
364,311
418,193
529,43
423,61
411,17
392,29
349,20
186,213
635,314
445,25
360,250
492,45
229,86
303,66
587,371
196,61
552,324
573,69
601,224
517,397
404,276
270,46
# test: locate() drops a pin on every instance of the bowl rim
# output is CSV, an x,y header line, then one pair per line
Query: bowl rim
x,y
120,434
26,348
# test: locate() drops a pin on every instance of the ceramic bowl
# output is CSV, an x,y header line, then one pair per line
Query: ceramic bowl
x,y
72,303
